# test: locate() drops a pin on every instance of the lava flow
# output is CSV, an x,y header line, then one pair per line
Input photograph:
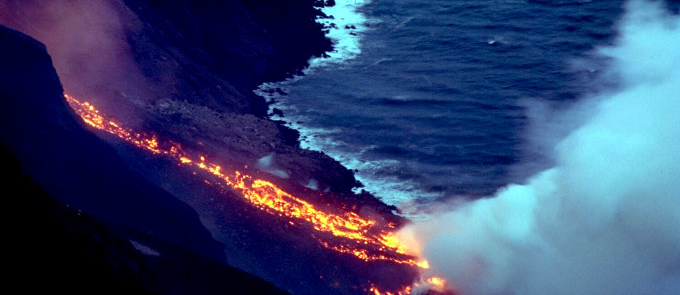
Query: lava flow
x,y
351,233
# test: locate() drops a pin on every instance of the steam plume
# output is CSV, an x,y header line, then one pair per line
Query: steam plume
x,y
605,219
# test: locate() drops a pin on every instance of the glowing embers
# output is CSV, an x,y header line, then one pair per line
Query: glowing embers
x,y
375,291
91,116
436,281
345,232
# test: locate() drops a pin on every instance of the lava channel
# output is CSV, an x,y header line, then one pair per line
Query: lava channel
x,y
360,237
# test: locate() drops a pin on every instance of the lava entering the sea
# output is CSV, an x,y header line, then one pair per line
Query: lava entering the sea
x,y
352,234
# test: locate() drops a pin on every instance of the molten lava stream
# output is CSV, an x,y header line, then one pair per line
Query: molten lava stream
x,y
351,233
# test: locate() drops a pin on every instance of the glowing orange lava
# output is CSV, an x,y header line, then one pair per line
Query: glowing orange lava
x,y
354,235
436,281
375,291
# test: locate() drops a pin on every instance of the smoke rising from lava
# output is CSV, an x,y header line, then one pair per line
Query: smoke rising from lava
x,y
604,219
88,42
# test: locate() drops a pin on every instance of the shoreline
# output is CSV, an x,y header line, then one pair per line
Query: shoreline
x,y
344,26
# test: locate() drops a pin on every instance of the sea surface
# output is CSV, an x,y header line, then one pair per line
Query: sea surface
x,y
435,99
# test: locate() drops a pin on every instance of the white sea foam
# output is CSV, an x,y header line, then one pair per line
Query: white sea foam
x,y
388,189
345,24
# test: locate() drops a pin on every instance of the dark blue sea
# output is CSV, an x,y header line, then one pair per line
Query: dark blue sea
x,y
436,99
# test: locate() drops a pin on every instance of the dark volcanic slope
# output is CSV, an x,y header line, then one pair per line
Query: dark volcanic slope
x,y
54,171
242,42
67,250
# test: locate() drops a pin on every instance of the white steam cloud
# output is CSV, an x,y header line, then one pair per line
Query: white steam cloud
x,y
267,164
606,218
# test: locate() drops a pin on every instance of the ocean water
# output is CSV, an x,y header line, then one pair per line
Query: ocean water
x,y
432,99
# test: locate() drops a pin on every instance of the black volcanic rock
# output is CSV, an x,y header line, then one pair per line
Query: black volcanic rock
x,y
243,42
